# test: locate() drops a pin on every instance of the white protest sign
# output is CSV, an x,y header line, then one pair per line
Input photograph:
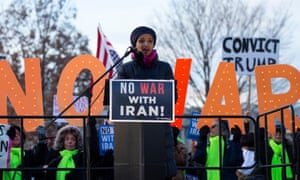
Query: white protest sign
x,y
246,53
80,106
4,139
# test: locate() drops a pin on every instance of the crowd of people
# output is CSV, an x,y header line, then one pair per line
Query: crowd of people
x,y
219,151
217,146
57,149
226,152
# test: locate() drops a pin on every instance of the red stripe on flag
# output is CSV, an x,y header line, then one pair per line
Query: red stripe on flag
x,y
105,52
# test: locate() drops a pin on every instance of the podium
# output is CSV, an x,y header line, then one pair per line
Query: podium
x,y
138,151
141,111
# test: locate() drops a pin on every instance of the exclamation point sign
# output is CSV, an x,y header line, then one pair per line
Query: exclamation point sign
x,y
162,111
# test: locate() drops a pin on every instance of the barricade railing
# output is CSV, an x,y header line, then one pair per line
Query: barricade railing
x,y
221,168
256,122
295,152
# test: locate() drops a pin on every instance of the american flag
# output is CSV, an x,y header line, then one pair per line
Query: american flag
x,y
106,53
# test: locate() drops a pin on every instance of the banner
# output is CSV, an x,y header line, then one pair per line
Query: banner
x,y
142,100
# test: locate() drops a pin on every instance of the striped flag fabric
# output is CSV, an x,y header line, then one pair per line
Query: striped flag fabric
x,y
106,53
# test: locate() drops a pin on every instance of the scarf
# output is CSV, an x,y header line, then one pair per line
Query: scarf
x,y
147,60
213,157
276,159
66,162
15,161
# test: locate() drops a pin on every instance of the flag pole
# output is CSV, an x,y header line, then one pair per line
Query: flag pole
x,y
249,94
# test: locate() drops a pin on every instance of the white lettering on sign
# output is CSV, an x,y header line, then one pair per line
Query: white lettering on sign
x,y
142,110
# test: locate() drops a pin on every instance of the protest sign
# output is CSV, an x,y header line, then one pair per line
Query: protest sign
x,y
247,53
193,131
142,100
106,138
4,142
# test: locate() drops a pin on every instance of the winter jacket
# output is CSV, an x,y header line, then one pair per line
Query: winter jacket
x,y
158,70
74,174
233,157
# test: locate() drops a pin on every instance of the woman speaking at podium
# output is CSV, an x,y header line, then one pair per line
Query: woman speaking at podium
x,y
145,64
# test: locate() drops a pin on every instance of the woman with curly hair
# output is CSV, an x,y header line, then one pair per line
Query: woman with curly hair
x,y
68,143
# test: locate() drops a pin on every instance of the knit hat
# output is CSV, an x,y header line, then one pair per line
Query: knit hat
x,y
137,32
278,126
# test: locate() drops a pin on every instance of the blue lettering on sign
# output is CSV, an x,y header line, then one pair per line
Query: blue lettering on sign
x,y
106,138
193,132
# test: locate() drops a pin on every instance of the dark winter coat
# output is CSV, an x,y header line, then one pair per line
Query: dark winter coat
x,y
74,174
233,157
41,156
161,71
79,159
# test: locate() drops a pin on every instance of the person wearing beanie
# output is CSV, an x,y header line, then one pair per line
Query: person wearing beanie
x,y
276,143
146,64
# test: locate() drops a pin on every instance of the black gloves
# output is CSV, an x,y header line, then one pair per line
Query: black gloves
x,y
204,130
237,133
175,131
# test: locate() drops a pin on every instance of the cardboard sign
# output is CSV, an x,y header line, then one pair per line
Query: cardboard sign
x,y
106,138
247,53
142,100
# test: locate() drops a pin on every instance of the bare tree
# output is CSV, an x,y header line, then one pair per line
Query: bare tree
x,y
196,28
43,29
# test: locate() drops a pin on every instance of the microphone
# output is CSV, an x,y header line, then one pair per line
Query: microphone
x,y
137,54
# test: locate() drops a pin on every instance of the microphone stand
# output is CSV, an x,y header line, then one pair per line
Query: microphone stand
x,y
88,136
87,92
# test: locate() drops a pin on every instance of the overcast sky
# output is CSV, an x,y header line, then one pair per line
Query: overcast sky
x,y
119,18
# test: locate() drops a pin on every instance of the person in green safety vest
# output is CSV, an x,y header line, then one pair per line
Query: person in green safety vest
x,y
213,149
15,160
278,156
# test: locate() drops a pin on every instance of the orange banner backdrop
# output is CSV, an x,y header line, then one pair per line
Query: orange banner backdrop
x,y
223,97
66,85
268,100
182,76
28,102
